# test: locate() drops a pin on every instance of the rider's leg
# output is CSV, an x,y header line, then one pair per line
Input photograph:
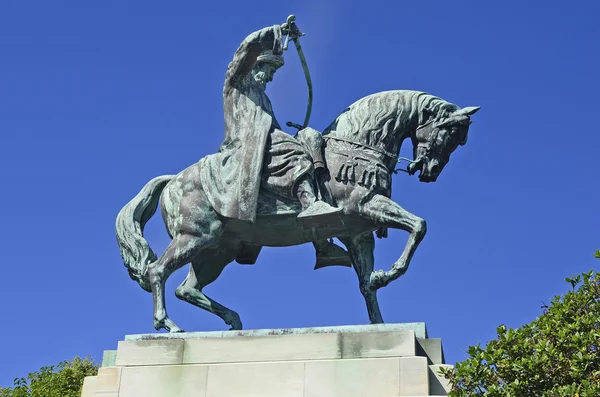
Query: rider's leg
x,y
328,253
289,172
305,191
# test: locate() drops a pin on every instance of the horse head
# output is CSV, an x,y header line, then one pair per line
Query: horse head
x,y
435,140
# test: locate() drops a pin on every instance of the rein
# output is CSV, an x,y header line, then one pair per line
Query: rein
x,y
396,158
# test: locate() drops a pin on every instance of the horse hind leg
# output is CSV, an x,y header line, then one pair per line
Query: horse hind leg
x,y
182,249
205,269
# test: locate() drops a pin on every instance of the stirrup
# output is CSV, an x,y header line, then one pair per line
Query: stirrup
x,y
332,254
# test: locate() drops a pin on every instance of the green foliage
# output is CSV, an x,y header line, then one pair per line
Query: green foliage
x,y
62,380
556,355
597,255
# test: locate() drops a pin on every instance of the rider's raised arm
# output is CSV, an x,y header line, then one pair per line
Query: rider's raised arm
x,y
269,38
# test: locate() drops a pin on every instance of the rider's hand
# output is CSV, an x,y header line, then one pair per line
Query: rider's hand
x,y
291,29
294,31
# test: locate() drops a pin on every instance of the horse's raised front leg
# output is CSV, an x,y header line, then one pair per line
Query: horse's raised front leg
x,y
361,250
386,213
205,269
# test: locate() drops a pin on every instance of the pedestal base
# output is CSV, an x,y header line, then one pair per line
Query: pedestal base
x,y
363,361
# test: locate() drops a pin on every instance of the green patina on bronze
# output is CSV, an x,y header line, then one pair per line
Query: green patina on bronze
x,y
265,187
419,329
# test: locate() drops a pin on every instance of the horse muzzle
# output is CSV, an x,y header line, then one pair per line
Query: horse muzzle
x,y
430,171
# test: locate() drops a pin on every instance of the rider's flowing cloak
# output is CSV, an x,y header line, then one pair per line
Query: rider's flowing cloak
x,y
232,177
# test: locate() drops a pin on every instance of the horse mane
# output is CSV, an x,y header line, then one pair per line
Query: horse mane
x,y
374,118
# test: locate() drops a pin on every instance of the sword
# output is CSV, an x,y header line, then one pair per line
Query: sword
x,y
296,39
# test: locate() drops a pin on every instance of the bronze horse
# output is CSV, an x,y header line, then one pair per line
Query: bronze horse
x,y
361,150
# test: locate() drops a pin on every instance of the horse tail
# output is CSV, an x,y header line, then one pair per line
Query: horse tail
x,y
135,250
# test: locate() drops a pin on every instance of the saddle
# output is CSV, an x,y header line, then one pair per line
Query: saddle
x,y
272,204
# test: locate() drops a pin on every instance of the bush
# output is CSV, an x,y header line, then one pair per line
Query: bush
x,y
556,355
62,380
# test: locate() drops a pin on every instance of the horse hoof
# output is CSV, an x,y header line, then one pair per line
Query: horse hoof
x,y
234,321
167,324
172,327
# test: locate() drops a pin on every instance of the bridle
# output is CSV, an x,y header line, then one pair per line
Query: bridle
x,y
427,144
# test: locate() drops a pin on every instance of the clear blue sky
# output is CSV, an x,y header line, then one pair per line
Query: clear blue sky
x,y
96,98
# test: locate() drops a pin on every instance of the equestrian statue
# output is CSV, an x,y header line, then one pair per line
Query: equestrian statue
x,y
265,187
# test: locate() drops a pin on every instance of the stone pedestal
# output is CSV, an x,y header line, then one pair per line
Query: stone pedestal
x,y
363,361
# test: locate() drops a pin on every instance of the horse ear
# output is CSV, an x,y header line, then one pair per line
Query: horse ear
x,y
469,110
460,116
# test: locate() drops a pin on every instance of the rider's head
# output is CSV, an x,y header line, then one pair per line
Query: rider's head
x,y
266,66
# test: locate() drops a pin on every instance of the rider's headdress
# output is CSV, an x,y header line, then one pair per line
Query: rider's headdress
x,y
268,57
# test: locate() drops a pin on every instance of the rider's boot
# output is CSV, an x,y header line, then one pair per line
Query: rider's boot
x,y
328,253
311,208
